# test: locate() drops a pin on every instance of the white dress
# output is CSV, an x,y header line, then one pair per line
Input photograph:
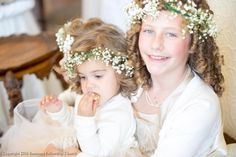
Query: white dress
x,y
110,133
189,124
147,132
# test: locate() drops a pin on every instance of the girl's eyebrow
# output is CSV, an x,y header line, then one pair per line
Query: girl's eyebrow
x,y
102,70
147,25
172,28
94,71
167,27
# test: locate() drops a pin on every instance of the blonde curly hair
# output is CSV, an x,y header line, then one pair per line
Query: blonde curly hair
x,y
205,60
95,33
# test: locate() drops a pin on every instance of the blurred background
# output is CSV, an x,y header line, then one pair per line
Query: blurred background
x,y
53,13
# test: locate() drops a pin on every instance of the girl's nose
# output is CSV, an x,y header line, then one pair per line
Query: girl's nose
x,y
157,43
89,86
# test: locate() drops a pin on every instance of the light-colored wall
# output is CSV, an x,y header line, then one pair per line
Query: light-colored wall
x,y
226,20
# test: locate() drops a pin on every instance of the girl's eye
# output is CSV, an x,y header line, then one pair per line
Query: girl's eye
x,y
171,35
149,31
98,76
82,77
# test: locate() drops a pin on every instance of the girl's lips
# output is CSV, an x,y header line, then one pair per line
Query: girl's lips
x,y
158,58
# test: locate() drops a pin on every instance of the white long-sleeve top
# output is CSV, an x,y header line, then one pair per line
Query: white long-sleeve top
x,y
109,133
189,125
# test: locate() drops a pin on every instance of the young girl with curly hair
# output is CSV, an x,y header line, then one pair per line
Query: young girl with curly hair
x,y
177,107
100,71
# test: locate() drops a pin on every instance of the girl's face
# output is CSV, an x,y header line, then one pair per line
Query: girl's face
x,y
162,45
96,77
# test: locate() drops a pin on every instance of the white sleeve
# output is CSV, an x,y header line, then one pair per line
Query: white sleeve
x,y
191,131
16,7
64,116
106,139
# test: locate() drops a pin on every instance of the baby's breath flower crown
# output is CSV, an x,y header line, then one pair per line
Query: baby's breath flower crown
x,y
199,20
72,58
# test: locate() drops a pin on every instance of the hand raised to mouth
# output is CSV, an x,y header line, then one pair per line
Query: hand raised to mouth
x,y
88,104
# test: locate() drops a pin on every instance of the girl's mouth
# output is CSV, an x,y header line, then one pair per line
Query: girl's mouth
x,y
158,58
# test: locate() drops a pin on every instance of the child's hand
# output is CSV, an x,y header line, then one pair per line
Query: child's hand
x,y
88,104
51,104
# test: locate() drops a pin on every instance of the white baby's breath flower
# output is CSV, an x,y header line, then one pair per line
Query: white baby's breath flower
x,y
67,44
64,40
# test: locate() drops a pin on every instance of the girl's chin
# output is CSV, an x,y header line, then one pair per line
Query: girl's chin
x,y
154,70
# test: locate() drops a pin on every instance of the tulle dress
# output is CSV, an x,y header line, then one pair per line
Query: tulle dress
x,y
32,131
147,132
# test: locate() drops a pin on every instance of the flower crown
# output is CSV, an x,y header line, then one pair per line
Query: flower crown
x,y
118,62
199,20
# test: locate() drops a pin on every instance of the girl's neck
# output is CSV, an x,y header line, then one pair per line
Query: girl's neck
x,y
168,82
163,86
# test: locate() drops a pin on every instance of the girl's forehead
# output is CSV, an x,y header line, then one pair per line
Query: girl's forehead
x,y
92,65
92,62
165,18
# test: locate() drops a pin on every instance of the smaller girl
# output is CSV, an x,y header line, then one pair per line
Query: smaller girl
x,y
100,71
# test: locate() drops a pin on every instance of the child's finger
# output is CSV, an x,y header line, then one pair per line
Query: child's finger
x,y
49,98
95,105
90,98
42,103
45,100
96,99
88,104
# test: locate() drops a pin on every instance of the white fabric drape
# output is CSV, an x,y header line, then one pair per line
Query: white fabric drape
x,y
111,11
16,18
